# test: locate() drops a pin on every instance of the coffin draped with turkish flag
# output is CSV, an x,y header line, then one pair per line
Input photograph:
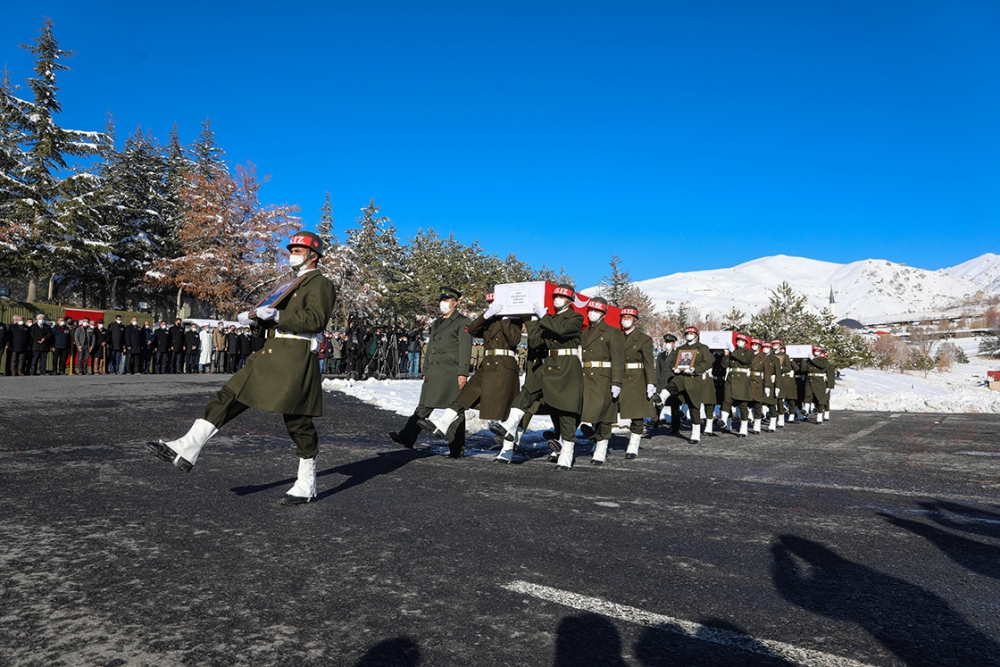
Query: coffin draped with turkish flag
x,y
520,299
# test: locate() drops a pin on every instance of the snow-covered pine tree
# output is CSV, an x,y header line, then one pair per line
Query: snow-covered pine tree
x,y
206,154
380,258
325,227
13,209
619,290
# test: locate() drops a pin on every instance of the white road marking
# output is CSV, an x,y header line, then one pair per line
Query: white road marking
x,y
860,434
799,656
606,503
870,489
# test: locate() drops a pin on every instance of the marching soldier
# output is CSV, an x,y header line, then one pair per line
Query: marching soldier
x,y
759,384
772,375
666,388
603,368
786,387
495,385
282,377
446,370
691,367
831,381
815,370
715,390
559,381
635,403
737,390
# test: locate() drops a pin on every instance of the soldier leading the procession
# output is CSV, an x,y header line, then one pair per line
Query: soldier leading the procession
x,y
738,392
635,403
495,384
691,367
603,368
446,370
559,381
282,377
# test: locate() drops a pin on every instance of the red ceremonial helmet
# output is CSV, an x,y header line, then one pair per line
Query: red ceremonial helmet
x,y
693,330
755,341
629,310
563,290
489,297
745,337
764,343
598,304
775,343
817,350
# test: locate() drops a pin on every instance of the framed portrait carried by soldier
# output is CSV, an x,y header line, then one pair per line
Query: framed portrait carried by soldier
x,y
685,359
279,292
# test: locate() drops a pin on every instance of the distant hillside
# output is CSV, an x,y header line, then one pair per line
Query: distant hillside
x,y
868,290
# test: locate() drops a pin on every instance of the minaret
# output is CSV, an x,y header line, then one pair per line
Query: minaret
x,y
833,303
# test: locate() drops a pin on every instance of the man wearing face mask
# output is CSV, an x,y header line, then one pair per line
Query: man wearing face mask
x,y
446,370
603,373
559,381
495,385
761,384
102,341
134,342
176,347
192,346
41,343
83,336
665,386
282,377
61,339
693,381
772,376
20,346
161,343
636,401
815,370
737,392
785,385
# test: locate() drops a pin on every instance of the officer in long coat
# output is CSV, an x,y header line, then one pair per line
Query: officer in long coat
x,y
737,390
694,385
559,380
639,387
495,384
815,371
786,389
282,377
603,373
772,373
446,370
666,388
761,383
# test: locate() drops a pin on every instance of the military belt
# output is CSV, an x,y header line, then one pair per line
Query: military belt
x,y
757,374
312,339
562,352
740,370
597,364
817,375
501,353
634,365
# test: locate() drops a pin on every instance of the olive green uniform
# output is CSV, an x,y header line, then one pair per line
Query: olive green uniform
x,y
603,367
693,388
284,375
447,357
787,389
634,403
496,383
815,384
738,391
665,380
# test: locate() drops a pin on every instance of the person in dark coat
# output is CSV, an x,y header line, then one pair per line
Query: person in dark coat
x,y
192,348
20,345
117,345
5,347
41,344
161,343
559,380
246,346
134,342
603,359
282,377
145,359
665,386
61,342
692,379
177,347
83,338
815,370
639,384
102,341
737,391
232,350
445,375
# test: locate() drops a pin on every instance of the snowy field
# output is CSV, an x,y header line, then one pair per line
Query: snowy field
x,y
962,389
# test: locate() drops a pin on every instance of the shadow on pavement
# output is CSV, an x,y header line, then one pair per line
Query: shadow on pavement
x,y
664,647
398,652
588,640
964,518
358,472
975,556
914,624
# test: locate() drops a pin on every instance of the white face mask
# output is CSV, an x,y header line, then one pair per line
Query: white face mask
x,y
295,261
595,316
689,337
628,324
134,323
445,307
767,350
559,302
741,344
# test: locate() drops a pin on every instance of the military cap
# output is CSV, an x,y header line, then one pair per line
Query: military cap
x,y
598,303
307,240
564,290
630,310
449,293
776,342
669,338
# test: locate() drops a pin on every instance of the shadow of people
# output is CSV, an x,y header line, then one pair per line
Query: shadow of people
x,y
667,646
357,472
588,640
964,518
914,624
398,652
980,558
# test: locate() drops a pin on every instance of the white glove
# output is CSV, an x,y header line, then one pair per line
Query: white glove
x,y
664,395
767,392
539,310
777,391
243,319
650,390
690,371
615,391
266,313
494,309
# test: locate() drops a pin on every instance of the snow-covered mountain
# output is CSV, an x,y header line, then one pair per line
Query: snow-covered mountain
x,y
871,290
983,270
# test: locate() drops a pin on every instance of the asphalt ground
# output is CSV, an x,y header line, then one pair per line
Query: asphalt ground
x,y
873,539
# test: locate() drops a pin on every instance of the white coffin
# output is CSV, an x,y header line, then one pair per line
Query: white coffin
x,y
717,340
519,298
799,351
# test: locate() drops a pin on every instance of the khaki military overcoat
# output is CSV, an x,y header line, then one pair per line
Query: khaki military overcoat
x,y
560,377
738,380
633,402
448,354
496,383
787,384
602,344
697,388
764,372
283,376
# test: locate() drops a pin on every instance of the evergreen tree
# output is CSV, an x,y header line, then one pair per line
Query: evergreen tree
x,y
620,291
325,227
206,154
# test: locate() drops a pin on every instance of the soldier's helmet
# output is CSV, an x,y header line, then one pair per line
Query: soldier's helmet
x,y
693,330
599,304
755,341
817,350
630,311
776,343
564,290
490,297
307,239
764,344
743,337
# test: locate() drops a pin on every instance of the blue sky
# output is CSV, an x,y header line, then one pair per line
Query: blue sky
x,y
680,136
